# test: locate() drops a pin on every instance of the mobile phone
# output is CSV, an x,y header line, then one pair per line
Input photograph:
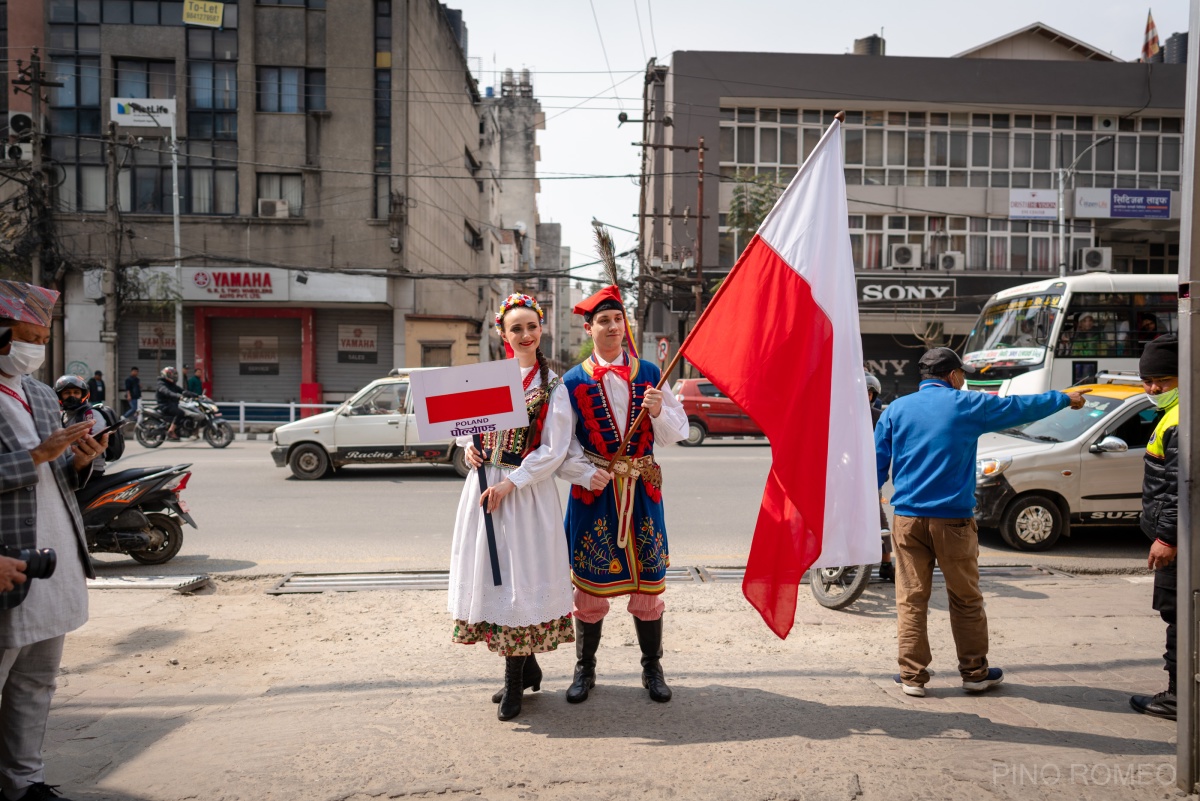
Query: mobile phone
x,y
124,421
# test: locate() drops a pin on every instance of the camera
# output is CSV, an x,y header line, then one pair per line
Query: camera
x,y
39,562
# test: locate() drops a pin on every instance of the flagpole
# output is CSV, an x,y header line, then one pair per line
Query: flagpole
x,y
840,117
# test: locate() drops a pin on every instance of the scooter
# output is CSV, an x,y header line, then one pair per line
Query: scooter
x,y
838,587
137,512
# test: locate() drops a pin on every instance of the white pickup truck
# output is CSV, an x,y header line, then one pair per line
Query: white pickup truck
x,y
376,426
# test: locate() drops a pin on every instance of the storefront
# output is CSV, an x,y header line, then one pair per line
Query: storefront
x,y
267,335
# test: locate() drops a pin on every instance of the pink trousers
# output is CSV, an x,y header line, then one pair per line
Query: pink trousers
x,y
592,608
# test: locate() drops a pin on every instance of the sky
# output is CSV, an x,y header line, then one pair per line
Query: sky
x,y
578,49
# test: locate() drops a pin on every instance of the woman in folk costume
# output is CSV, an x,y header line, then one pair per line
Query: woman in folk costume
x,y
618,536
530,612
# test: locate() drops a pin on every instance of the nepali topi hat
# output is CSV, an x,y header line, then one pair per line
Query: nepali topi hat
x,y
26,303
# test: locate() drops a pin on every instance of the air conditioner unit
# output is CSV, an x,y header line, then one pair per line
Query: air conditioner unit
x,y
1106,124
1093,260
952,260
905,257
20,125
272,208
21,151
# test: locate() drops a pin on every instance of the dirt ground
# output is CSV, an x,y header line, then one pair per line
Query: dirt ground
x,y
234,694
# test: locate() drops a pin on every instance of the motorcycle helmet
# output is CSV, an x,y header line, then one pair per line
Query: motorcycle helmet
x,y
873,385
72,403
170,373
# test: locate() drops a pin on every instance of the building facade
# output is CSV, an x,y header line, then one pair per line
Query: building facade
x,y
952,169
335,216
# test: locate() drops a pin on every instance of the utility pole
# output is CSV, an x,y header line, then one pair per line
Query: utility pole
x,y
1187,770
108,281
700,230
30,81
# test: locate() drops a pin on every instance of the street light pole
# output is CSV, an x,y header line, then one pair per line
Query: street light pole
x,y
175,229
1063,175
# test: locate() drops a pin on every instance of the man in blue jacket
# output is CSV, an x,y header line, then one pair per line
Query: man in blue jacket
x,y
928,441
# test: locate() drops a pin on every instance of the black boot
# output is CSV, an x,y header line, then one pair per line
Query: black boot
x,y
649,634
587,640
531,678
514,671
1161,705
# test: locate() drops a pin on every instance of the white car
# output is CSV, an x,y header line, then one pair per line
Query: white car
x,y
1085,467
376,426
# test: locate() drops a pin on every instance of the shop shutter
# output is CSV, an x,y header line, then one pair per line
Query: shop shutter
x,y
254,380
339,378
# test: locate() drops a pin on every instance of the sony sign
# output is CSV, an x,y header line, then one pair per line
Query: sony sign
x,y
917,294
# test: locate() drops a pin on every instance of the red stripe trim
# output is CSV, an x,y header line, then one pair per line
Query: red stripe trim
x,y
461,405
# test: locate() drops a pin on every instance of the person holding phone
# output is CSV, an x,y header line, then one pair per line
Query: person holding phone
x,y
73,398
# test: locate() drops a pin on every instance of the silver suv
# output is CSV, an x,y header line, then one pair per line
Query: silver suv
x,y
1084,467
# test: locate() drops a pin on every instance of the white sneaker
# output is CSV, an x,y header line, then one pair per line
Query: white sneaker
x,y
915,690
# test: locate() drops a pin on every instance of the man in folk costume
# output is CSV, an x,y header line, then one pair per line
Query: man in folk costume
x,y
617,535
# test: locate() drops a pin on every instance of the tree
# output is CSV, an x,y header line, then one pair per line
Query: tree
x,y
753,197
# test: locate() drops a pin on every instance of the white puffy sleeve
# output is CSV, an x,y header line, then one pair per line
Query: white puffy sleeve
x,y
558,432
671,425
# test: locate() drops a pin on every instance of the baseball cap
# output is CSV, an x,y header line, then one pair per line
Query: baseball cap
x,y
940,361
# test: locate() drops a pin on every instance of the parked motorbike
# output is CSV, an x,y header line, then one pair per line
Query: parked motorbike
x,y
137,512
199,416
838,587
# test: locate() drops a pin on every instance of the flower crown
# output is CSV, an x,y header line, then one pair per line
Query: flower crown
x,y
512,302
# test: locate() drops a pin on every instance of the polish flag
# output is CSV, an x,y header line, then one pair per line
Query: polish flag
x,y
781,338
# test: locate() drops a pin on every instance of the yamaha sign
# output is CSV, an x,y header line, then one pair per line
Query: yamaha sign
x,y
917,294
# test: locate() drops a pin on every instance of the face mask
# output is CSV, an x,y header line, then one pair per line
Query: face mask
x,y
71,404
23,358
1165,399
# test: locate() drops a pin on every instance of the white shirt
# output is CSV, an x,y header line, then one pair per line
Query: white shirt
x,y
671,425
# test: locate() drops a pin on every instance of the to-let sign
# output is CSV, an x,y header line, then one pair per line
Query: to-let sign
x,y
202,12
473,399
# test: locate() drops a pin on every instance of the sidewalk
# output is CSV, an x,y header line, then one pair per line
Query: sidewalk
x,y
240,695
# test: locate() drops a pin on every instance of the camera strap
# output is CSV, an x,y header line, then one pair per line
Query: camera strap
x,y
20,400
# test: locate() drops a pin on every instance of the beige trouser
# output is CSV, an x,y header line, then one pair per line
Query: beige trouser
x,y
954,544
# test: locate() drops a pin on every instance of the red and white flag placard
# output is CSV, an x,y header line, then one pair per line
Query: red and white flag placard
x,y
468,400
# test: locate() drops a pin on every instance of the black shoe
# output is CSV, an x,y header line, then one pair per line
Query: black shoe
x,y
514,674
40,791
172,438
587,641
1161,705
887,572
649,634
531,678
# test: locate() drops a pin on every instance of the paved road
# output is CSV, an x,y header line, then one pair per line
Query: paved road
x,y
256,519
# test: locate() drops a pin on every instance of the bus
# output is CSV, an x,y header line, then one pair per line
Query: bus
x,y
1063,331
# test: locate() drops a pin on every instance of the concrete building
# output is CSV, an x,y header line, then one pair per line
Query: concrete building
x,y
336,216
945,158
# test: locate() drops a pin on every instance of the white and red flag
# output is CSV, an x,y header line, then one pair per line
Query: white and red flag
x,y
1150,46
781,338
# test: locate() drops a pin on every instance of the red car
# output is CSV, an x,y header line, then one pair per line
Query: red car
x,y
710,413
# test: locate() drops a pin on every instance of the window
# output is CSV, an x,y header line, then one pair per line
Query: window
x,y
290,90
299,3
1136,429
709,390
75,131
283,186
436,354
145,79
472,237
383,120
212,83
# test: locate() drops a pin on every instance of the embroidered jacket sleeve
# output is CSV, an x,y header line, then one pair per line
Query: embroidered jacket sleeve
x,y
575,468
557,435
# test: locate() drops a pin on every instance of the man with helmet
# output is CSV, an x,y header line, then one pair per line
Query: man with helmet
x,y
168,394
73,396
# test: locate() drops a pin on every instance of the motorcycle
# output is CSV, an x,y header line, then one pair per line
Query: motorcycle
x,y
838,587
199,416
137,512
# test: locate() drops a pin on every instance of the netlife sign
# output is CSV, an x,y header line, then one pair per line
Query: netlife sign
x,y
140,112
